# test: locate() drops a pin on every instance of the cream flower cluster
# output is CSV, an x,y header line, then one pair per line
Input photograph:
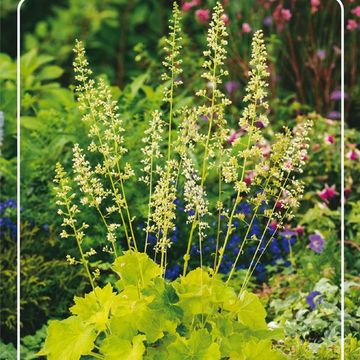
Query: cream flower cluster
x,y
248,169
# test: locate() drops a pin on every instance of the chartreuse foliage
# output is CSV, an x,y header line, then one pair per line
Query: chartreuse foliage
x,y
146,317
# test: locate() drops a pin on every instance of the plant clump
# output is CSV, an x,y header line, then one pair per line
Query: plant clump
x,y
185,156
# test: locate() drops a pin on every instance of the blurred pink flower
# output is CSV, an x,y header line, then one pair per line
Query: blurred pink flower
x,y
299,229
279,204
286,14
273,225
330,122
246,28
231,86
352,25
189,5
202,15
330,139
356,11
266,150
281,16
249,177
233,136
328,192
353,154
314,5
225,19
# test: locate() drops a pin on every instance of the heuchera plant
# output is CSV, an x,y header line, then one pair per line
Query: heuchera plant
x,y
185,154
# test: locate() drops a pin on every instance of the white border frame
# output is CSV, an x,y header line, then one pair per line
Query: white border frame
x,y
342,210
18,111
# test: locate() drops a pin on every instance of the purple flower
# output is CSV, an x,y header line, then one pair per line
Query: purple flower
x,y
317,243
336,95
288,238
321,54
313,299
231,86
259,124
288,233
334,115
268,20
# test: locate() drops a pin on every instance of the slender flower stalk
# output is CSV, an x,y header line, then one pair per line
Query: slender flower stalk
x,y
172,63
295,152
100,111
93,190
219,207
254,111
65,197
151,152
163,215
215,56
163,198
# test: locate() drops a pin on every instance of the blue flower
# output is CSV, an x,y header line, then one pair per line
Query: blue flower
x,y
152,239
274,246
260,272
194,249
172,273
225,266
285,244
7,225
244,208
179,205
313,299
288,238
255,229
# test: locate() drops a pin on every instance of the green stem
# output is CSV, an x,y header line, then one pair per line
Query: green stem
x,y
149,204
265,231
237,200
228,232
203,172
219,216
262,253
107,227
84,261
171,100
97,356
246,234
